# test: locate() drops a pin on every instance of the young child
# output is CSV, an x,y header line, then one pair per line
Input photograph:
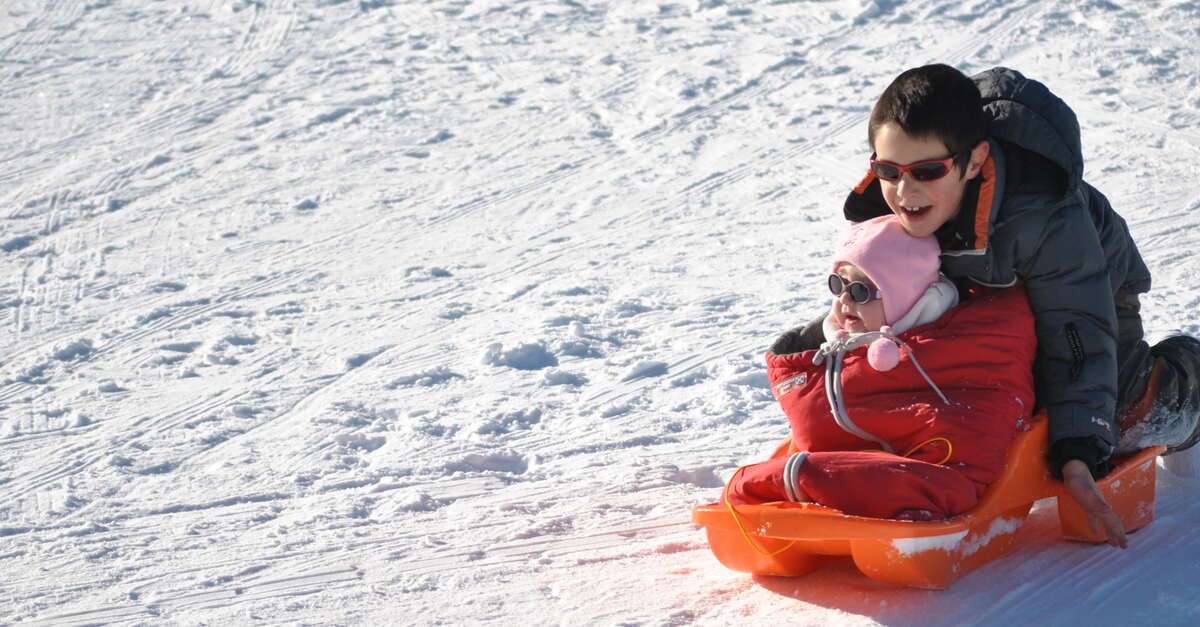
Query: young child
x,y
908,408
992,167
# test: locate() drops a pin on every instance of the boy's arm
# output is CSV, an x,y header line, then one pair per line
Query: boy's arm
x,y
1082,449
1066,276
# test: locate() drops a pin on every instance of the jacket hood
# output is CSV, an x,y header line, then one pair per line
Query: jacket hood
x,y
1025,113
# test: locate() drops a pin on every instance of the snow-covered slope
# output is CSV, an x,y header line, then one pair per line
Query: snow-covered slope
x,y
447,311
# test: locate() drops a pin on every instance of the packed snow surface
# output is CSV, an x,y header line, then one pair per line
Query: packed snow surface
x,y
448,311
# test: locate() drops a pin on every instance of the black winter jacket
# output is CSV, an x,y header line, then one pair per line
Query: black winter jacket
x,y
1030,217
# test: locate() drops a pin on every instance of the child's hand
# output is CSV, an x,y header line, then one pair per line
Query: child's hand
x,y
1082,487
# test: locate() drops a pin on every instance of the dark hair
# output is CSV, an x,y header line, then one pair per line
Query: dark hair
x,y
933,101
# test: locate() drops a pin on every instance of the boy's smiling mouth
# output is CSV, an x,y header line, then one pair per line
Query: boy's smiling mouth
x,y
916,212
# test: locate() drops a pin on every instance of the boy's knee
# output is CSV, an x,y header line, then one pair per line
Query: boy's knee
x,y
1179,388
1169,411
1181,352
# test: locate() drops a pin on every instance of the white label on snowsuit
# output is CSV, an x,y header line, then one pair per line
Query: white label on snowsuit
x,y
789,384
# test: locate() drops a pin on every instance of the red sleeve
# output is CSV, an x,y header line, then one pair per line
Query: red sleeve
x,y
881,485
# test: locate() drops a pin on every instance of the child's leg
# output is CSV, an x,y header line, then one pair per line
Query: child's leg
x,y
881,485
1158,387
758,483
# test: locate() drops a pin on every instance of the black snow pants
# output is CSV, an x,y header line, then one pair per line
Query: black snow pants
x,y
1164,377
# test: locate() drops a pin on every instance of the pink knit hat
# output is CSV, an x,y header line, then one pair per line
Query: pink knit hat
x,y
900,265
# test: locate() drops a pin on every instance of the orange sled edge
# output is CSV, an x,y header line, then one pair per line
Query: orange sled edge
x,y
791,539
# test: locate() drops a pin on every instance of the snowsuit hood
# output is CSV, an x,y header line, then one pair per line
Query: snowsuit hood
x,y
1026,114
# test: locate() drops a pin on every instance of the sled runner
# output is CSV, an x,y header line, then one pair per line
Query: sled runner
x,y
792,539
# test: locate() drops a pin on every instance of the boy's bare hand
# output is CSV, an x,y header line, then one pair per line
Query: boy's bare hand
x,y
1082,487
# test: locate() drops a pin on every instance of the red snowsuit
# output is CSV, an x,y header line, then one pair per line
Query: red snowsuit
x,y
980,354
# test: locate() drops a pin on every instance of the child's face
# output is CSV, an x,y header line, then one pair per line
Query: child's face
x,y
922,206
852,316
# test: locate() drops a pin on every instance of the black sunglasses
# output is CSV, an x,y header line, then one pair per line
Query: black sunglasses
x,y
861,292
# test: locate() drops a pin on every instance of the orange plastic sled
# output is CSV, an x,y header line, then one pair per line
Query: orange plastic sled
x,y
792,539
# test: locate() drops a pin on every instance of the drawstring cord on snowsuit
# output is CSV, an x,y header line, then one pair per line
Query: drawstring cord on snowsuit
x,y
839,347
902,344
837,351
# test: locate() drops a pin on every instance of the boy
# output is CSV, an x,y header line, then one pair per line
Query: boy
x,y
992,167
919,439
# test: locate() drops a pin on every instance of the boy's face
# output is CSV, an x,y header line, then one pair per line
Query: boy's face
x,y
851,316
922,206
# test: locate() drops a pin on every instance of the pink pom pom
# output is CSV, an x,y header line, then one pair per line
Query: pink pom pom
x,y
883,354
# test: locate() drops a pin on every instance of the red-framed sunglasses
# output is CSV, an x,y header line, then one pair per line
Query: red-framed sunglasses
x,y
924,171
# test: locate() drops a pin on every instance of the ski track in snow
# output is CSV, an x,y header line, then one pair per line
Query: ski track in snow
x,y
447,312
